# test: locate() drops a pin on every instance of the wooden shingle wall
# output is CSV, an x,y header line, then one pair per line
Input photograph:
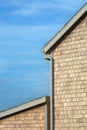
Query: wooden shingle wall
x,y
70,79
31,119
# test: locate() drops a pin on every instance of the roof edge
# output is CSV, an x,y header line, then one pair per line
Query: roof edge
x,y
25,106
67,26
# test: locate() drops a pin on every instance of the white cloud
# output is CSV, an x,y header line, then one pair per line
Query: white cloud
x,y
24,11
27,31
38,6
26,8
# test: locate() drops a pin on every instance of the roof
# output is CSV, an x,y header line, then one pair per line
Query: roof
x,y
67,26
25,106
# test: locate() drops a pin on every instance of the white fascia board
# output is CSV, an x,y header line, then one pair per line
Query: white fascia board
x,y
25,106
65,29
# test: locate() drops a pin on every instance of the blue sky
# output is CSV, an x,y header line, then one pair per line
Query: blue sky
x,y
25,27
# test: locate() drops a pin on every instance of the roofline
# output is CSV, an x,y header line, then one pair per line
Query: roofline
x,y
67,26
25,106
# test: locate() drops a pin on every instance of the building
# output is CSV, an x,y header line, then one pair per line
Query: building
x,y
33,115
67,108
67,52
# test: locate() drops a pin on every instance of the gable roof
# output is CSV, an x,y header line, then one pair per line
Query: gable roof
x,y
25,106
72,21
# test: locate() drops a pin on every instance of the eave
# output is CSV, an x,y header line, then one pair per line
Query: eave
x,y
64,30
25,106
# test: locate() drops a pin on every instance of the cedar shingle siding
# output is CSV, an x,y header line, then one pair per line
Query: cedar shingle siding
x,y
68,50
70,79
32,118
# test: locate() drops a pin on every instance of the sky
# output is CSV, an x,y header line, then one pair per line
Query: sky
x,y
25,27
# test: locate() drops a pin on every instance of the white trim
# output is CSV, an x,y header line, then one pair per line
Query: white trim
x,y
25,106
65,29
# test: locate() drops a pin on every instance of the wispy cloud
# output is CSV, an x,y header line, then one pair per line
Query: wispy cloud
x,y
38,6
21,61
29,32
26,8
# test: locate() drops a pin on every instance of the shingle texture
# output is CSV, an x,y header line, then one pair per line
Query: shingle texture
x,y
31,119
70,79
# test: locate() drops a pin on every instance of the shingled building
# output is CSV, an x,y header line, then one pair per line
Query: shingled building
x,y
67,52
